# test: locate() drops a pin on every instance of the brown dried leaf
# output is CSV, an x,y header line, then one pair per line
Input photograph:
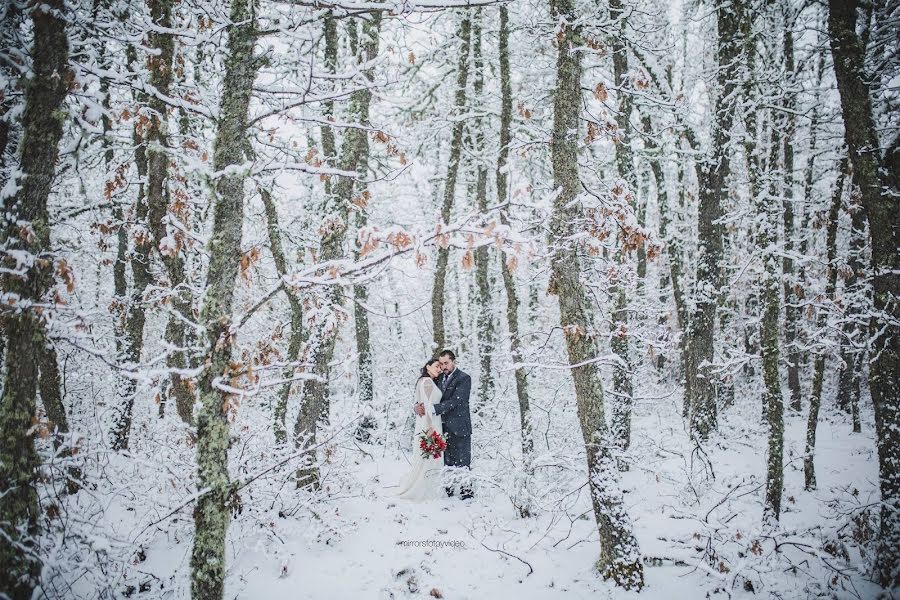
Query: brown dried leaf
x,y
468,261
67,275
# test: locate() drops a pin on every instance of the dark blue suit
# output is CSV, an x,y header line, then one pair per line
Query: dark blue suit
x,y
456,422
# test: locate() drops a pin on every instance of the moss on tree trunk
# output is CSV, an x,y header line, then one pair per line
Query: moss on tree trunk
x,y
876,172
714,174
464,33
27,230
619,555
339,203
212,513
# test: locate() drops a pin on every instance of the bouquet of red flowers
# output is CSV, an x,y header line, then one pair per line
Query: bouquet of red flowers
x,y
432,444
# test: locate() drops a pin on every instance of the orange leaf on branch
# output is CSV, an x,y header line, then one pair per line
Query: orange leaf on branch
x,y
468,261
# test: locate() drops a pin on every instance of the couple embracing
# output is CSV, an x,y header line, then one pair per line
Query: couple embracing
x,y
442,408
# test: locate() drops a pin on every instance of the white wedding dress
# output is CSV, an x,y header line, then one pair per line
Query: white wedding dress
x,y
423,481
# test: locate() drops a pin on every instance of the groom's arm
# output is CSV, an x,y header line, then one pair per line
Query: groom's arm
x,y
458,395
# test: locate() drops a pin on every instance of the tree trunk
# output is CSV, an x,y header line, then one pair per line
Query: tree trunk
x,y
763,191
769,343
619,553
512,298
51,398
299,333
354,157
212,513
28,232
623,394
297,330
161,64
440,270
485,322
792,309
672,241
141,278
714,175
8,134
815,400
877,177
853,338
361,319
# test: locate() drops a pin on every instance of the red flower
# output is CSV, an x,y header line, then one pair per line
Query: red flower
x,y
432,444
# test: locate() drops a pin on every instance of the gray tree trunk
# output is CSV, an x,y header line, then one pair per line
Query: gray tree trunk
x,y
141,277
512,298
792,308
769,339
763,190
714,175
623,394
485,320
857,304
361,316
27,229
212,513
51,397
298,332
815,400
161,68
877,176
354,157
440,271
619,555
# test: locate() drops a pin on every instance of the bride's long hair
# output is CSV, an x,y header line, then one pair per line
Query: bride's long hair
x,y
424,371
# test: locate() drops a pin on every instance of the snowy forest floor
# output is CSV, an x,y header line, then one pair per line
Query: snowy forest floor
x,y
699,534
697,515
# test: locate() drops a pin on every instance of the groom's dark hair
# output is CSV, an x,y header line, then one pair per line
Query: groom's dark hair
x,y
449,354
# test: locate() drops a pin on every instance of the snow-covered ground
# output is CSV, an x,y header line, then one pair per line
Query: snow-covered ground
x,y
489,552
358,542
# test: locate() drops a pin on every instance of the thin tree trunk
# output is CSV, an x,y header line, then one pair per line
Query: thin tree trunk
x,y
815,400
792,310
141,278
354,157
299,333
714,175
161,68
509,284
672,242
878,181
623,394
120,266
853,338
360,313
619,554
51,398
440,270
297,330
763,190
212,512
329,142
364,351
29,232
769,343
485,319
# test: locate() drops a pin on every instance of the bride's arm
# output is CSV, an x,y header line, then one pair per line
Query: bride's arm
x,y
421,397
424,397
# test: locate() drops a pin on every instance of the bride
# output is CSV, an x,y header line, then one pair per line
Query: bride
x,y
422,482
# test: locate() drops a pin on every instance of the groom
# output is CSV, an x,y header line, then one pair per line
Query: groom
x,y
455,418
